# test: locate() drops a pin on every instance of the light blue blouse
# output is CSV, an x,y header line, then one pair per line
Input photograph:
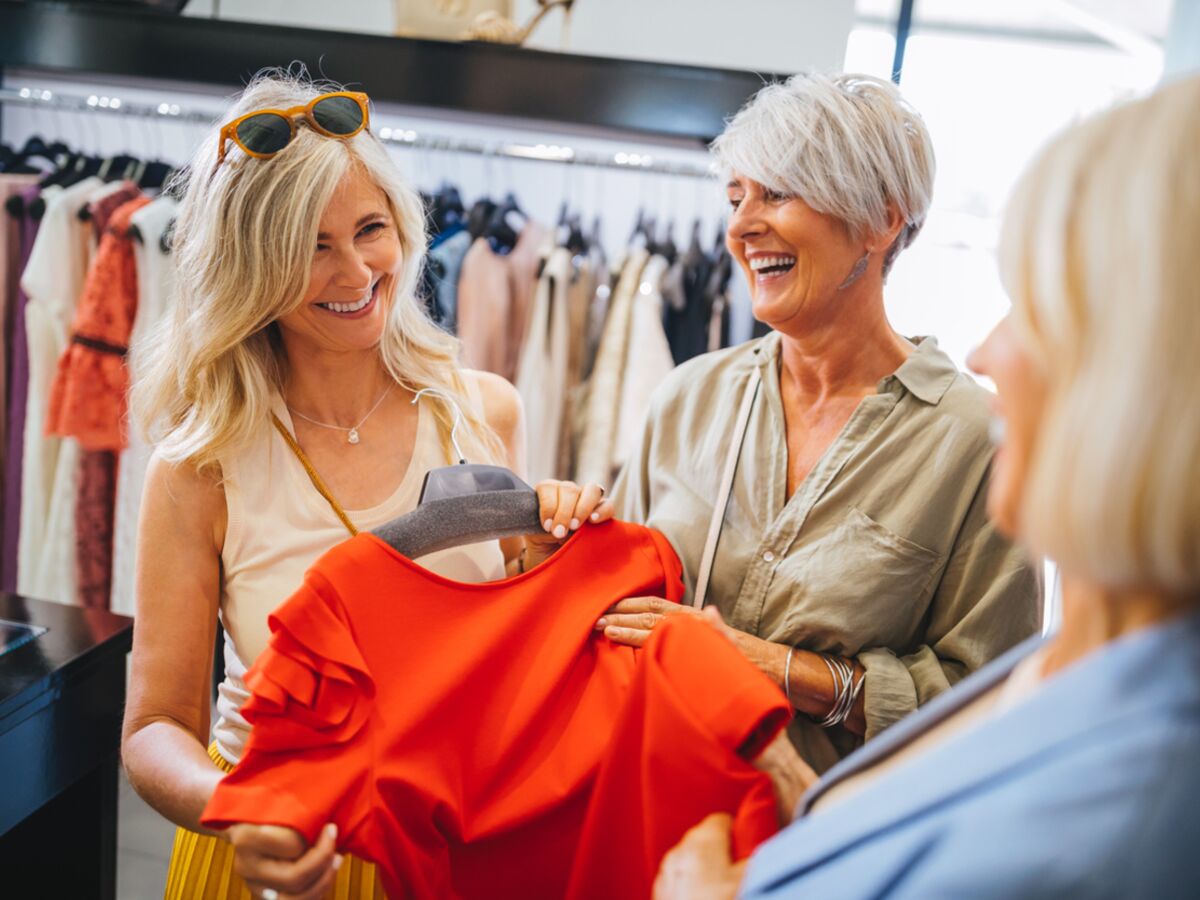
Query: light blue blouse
x,y
1090,788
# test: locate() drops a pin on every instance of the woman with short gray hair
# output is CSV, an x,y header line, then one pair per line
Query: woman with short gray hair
x,y
824,486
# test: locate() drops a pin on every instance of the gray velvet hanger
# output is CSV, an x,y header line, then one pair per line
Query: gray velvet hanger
x,y
462,504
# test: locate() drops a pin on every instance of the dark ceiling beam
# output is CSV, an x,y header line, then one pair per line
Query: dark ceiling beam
x,y
648,98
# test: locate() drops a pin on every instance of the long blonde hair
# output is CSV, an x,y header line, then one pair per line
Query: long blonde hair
x,y
1098,252
243,243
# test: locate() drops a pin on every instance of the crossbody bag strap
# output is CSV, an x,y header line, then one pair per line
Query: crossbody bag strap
x,y
726,488
294,446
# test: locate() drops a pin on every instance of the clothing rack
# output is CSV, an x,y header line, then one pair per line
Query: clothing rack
x,y
639,161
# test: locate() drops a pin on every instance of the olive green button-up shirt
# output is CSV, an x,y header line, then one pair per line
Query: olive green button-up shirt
x,y
884,553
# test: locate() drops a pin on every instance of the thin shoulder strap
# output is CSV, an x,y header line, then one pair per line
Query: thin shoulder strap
x,y
313,476
731,464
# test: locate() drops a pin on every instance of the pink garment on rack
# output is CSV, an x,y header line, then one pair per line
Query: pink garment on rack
x,y
495,296
18,389
11,263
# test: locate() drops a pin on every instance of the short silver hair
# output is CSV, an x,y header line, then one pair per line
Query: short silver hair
x,y
847,145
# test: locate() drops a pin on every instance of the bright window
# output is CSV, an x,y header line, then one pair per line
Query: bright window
x,y
990,101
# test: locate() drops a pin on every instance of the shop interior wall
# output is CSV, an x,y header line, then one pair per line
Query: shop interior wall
x,y
757,35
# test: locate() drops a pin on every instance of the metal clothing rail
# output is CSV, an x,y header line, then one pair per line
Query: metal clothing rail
x,y
39,98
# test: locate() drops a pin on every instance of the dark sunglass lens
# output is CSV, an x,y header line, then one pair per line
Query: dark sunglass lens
x,y
338,115
265,133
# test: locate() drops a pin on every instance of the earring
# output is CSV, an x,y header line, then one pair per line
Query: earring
x,y
856,272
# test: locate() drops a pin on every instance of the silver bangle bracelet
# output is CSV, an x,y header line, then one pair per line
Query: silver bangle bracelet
x,y
835,672
846,691
787,677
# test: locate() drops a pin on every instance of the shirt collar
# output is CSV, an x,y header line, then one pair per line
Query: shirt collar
x,y
927,373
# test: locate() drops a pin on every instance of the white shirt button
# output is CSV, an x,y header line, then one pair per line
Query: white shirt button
x,y
769,556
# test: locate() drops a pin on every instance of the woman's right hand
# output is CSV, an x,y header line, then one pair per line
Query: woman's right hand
x,y
277,863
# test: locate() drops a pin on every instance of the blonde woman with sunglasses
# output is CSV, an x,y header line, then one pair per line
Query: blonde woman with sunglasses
x,y
282,398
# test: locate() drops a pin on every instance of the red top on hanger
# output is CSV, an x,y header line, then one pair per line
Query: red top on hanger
x,y
87,397
456,732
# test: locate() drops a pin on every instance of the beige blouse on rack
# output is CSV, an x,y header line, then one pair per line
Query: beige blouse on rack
x,y
884,553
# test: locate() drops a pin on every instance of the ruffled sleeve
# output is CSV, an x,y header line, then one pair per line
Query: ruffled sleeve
x,y
311,686
308,760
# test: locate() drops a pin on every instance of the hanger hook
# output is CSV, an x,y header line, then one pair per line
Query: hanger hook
x,y
438,392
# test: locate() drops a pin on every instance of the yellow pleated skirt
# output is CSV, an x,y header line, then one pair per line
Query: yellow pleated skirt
x,y
202,868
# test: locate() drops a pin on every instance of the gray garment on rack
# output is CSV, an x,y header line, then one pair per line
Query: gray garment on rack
x,y
449,255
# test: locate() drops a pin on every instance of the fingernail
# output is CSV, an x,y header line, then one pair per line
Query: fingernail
x,y
331,831
595,517
574,524
602,624
548,524
337,861
559,531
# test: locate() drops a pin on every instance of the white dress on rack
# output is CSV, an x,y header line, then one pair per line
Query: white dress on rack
x,y
633,359
53,280
156,274
648,360
594,462
542,374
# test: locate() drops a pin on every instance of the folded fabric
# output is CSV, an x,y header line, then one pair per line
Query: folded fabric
x,y
696,713
456,733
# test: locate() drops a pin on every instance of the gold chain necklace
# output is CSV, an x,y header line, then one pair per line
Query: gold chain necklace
x,y
351,433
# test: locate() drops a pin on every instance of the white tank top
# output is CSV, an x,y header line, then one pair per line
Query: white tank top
x,y
278,525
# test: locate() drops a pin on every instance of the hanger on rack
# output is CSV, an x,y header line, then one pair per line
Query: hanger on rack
x,y
641,236
12,164
505,226
665,245
695,261
650,229
112,169
479,216
593,236
17,161
464,503
719,275
719,240
569,233
152,176
118,168
448,209
561,226
577,242
70,168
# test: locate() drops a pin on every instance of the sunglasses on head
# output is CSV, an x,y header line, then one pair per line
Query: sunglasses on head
x,y
265,132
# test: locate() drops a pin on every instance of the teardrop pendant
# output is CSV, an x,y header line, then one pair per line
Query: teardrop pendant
x,y
352,437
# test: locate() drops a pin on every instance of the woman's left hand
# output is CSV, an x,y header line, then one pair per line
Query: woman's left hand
x,y
563,507
701,866
632,620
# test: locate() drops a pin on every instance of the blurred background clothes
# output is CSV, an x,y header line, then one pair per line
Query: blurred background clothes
x,y
84,270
